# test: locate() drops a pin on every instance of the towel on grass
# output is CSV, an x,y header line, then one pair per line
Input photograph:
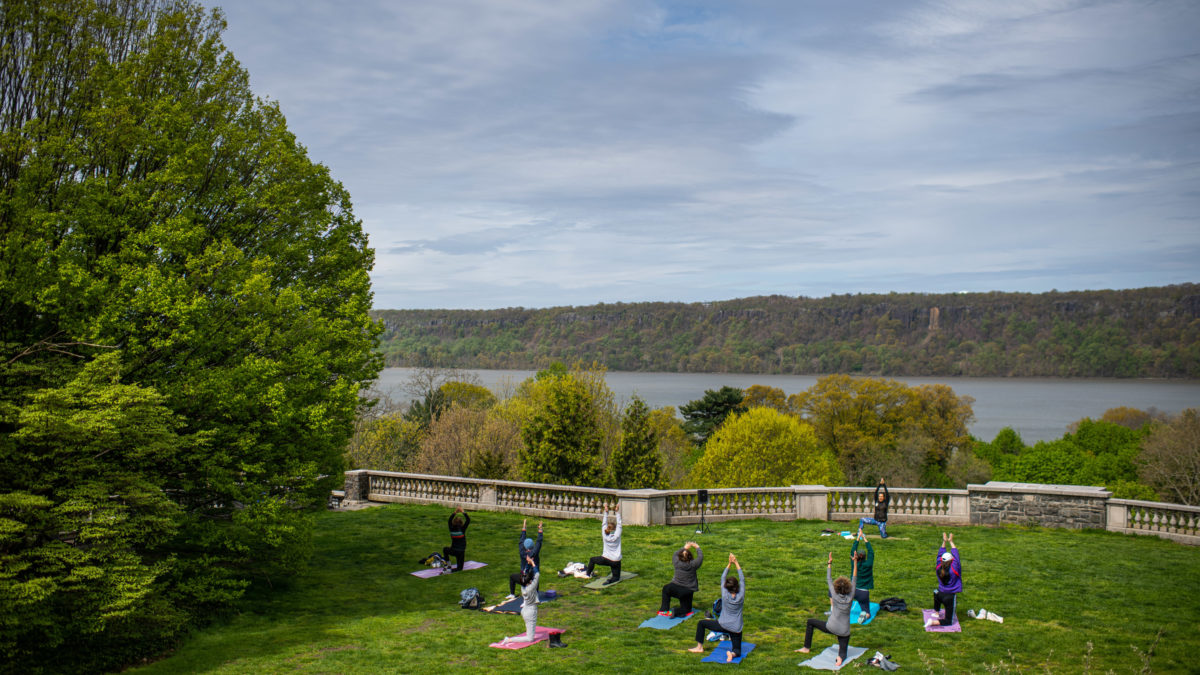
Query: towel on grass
x,y
927,614
437,571
599,582
824,660
856,609
514,606
665,622
539,633
719,654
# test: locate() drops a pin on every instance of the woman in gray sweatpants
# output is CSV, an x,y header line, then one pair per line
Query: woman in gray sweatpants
x,y
529,602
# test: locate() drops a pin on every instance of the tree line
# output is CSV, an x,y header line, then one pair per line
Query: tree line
x,y
1147,332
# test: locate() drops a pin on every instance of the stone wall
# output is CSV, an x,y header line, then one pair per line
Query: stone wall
x,y
1067,506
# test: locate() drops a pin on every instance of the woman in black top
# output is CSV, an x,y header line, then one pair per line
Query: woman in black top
x,y
882,499
458,523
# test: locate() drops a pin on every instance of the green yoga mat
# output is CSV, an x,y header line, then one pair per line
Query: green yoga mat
x,y
599,583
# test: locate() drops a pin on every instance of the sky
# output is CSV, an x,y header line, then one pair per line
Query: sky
x,y
530,153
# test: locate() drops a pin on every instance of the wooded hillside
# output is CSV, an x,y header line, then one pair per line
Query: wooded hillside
x,y
1148,332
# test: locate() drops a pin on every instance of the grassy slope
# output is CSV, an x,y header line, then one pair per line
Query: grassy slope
x,y
358,610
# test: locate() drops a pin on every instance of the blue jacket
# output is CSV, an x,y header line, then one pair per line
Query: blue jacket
x,y
536,551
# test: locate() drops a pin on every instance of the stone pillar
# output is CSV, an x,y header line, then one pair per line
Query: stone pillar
x,y
960,507
642,507
487,497
1118,517
358,485
812,502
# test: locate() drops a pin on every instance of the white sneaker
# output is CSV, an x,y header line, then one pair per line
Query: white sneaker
x,y
971,613
510,596
992,616
863,616
711,636
930,623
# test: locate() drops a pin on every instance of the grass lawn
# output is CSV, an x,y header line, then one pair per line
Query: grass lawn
x,y
1072,601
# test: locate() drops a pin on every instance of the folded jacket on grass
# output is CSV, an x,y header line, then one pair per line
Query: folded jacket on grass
x,y
825,660
927,614
514,606
437,571
719,654
599,582
665,622
856,609
539,633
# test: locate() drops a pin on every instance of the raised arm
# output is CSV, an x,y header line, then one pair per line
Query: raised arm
x,y
829,574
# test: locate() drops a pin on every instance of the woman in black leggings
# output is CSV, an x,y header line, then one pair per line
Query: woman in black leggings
x,y
458,523
733,595
841,594
684,584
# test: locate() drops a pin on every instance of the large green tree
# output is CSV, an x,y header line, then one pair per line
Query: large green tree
x,y
762,448
637,462
704,415
164,240
562,438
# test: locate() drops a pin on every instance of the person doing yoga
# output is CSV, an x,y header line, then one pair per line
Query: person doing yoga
x,y
866,575
526,548
529,601
610,534
841,594
684,584
949,575
458,523
733,595
882,499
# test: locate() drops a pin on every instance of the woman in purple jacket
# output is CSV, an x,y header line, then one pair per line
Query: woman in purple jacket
x,y
949,574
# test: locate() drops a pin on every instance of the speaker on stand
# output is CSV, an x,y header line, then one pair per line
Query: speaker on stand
x,y
702,497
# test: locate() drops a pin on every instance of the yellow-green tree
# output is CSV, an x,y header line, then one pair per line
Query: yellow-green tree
x,y
764,447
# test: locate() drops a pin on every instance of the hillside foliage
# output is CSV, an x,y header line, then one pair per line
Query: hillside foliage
x,y
1147,332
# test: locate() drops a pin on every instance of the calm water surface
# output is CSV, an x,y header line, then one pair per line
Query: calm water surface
x,y
1039,409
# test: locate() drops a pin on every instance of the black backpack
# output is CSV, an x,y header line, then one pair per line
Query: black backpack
x,y
893,605
471,598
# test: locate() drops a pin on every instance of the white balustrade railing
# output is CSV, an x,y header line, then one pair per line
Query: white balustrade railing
x,y
992,503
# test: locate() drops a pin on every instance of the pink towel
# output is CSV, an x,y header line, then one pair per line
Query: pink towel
x,y
539,633
927,614
437,571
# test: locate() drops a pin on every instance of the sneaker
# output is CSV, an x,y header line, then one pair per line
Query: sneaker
x,y
667,614
971,613
863,616
992,616
510,596
930,623
711,636
610,581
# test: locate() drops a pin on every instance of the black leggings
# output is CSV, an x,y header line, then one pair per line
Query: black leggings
x,y
863,596
949,600
601,560
514,580
459,555
715,626
676,591
843,640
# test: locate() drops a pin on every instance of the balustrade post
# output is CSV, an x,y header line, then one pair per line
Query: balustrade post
x,y
642,507
960,508
357,486
1116,518
812,502
487,496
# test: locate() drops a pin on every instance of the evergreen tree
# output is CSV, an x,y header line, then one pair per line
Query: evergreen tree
x,y
704,415
636,463
562,436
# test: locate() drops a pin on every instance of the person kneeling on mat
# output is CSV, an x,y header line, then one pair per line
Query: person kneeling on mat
x,y
526,548
684,584
610,535
866,576
529,601
949,575
841,594
733,595
458,523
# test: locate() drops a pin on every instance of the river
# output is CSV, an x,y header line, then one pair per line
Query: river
x,y
1038,409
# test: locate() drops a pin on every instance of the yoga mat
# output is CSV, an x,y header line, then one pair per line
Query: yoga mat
x,y
665,622
599,583
856,609
539,633
720,653
824,660
952,628
514,606
437,571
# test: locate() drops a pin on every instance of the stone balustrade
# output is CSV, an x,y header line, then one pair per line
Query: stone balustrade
x,y
993,503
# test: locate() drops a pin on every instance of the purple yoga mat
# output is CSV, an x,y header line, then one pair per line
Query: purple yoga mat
x,y
927,614
539,633
437,571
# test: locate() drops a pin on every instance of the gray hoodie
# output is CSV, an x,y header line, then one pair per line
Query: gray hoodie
x,y
839,606
731,605
685,572
529,592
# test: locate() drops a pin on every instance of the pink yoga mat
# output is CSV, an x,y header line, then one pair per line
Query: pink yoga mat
x,y
437,571
539,633
927,614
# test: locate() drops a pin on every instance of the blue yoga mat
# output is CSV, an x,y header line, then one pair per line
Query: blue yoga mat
x,y
719,654
856,609
664,622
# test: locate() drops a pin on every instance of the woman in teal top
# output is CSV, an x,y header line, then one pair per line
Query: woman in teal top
x,y
866,578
